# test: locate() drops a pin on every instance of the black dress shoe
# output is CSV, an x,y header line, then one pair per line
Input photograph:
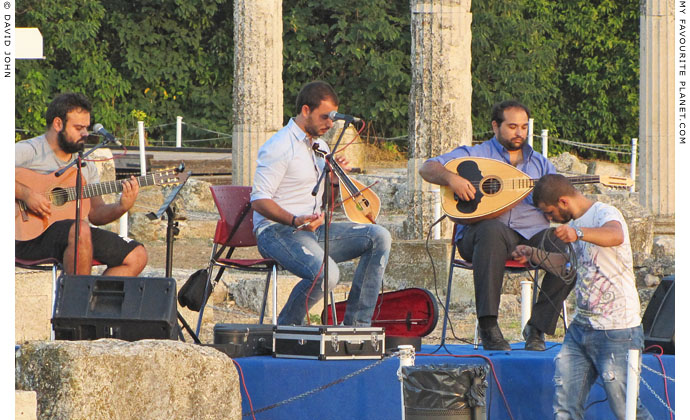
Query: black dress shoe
x,y
534,339
492,339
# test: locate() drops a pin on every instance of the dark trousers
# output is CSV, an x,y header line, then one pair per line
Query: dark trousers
x,y
488,244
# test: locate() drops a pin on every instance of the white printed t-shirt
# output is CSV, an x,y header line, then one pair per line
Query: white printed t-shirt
x,y
605,289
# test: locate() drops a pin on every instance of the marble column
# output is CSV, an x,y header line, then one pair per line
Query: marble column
x,y
258,82
657,154
440,97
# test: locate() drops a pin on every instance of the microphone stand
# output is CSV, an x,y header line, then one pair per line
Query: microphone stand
x,y
78,192
327,220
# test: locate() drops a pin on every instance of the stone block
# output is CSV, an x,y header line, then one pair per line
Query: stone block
x,y
409,265
568,164
32,304
247,292
197,225
600,167
664,246
25,405
113,379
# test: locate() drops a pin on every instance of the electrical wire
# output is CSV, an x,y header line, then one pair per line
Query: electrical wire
x,y
663,370
244,385
568,272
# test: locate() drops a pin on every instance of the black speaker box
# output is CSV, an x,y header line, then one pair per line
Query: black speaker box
x,y
658,322
128,308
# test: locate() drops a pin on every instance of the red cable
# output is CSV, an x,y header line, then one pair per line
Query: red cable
x,y
493,372
351,141
663,371
251,406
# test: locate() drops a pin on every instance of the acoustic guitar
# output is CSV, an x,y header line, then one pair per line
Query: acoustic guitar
x,y
61,192
500,187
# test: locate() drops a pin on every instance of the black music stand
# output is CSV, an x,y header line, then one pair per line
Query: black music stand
x,y
171,231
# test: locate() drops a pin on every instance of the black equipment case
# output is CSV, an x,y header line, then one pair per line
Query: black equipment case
x,y
328,342
407,315
243,340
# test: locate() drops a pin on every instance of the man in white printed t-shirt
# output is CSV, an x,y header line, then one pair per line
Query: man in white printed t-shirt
x,y
607,321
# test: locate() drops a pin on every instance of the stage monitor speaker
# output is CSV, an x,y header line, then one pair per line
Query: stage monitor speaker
x,y
128,308
658,322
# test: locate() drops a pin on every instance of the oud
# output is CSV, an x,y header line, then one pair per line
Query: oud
x,y
499,187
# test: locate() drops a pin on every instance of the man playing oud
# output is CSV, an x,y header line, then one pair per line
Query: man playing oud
x,y
488,243
67,119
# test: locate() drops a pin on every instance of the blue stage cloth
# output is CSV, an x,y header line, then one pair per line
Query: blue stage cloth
x,y
525,377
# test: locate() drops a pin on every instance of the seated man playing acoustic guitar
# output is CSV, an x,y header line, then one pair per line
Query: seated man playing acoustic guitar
x,y
488,243
67,118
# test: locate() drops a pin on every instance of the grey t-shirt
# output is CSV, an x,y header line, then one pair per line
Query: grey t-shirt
x,y
36,154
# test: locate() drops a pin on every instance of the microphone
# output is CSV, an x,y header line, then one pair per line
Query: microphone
x,y
338,116
98,129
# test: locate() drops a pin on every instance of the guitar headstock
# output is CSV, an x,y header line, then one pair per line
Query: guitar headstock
x,y
616,181
170,176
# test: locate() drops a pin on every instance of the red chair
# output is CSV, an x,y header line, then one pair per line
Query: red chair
x,y
511,266
235,230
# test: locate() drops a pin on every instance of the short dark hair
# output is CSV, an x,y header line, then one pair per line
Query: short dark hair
x,y
64,103
550,188
313,93
497,110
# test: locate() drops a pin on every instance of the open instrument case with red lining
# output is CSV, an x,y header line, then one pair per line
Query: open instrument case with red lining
x,y
407,315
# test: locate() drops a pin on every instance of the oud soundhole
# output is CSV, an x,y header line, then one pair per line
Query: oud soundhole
x,y
58,196
491,185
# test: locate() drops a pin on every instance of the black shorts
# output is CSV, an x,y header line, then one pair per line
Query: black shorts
x,y
109,248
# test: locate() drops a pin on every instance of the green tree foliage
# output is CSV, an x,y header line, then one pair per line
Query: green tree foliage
x,y
75,61
162,57
514,56
361,47
574,63
599,71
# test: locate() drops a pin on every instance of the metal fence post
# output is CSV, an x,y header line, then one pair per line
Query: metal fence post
x,y
530,132
545,143
178,134
633,164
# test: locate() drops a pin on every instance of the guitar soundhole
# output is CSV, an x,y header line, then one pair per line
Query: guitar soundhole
x,y
58,196
491,186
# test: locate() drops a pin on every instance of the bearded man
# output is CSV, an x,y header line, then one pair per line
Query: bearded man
x,y
289,221
489,243
67,121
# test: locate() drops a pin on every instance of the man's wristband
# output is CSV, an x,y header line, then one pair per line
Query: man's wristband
x,y
293,221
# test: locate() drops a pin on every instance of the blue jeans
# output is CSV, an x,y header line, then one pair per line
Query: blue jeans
x,y
301,253
587,355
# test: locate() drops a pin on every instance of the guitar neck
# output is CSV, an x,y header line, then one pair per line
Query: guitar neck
x,y
107,187
580,179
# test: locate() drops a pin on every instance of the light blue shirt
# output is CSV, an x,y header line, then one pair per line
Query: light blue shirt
x,y
287,171
525,218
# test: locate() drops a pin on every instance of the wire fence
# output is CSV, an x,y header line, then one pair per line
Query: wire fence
x,y
195,134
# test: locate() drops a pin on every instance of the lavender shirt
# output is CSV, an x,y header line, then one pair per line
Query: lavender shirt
x,y
525,218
